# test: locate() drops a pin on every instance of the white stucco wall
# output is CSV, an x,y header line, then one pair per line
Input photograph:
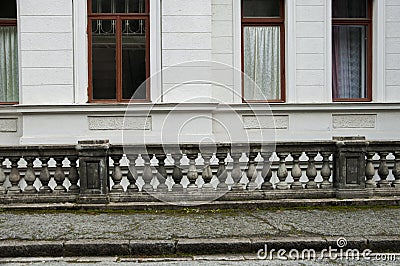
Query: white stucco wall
x,y
53,68
46,51
186,36
310,51
392,66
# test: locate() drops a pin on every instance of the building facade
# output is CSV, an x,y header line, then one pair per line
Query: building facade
x,y
72,70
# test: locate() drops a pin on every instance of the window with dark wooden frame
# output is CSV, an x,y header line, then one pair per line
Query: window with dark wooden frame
x,y
352,50
9,78
263,50
118,33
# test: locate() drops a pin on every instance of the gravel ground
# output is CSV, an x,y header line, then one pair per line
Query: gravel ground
x,y
172,225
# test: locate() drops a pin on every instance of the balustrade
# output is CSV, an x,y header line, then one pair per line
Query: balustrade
x,y
37,172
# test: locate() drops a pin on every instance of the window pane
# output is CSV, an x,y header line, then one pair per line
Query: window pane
x,y
133,59
349,8
8,64
261,8
349,61
118,6
103,59
262,63
8,9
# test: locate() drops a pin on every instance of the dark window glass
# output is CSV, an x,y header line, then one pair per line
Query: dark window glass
x,y
118,6
103,59
261,8
349,8
8,9
133,59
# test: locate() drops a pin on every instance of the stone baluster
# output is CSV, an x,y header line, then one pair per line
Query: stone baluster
x,y
383,171
236,173
311,171
177,173
132,173
2,177
147,174
30,176
252,172
222,174
44,176
73,175
207,172
325,170
296,171
161,173
370,171
266,172
192,171
59,176
117,174
14,176
396,170
282,172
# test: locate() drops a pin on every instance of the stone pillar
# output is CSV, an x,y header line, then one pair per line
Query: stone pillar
x,y
94,170
349,167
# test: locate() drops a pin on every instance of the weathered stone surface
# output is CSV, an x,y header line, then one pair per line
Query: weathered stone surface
x,y
353,242
8,124
287,243
152,247
354,121
30,248
265,121
96,248
384,243
120,123
211,246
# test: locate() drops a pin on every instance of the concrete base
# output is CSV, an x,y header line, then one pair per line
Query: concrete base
x,y
92,199
352,193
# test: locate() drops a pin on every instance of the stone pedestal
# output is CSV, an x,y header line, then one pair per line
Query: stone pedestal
x,y
349,168
93,170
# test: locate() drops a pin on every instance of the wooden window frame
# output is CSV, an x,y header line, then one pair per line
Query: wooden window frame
x,y
8,22
359,22
118,17
266,21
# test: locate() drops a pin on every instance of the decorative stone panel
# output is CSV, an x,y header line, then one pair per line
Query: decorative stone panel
x,y
8,124
265,121
120,123
354,120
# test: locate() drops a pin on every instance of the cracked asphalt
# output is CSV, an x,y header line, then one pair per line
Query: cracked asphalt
x,y
198,224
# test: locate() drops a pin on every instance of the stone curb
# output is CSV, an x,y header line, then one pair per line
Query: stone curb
x,y
13,248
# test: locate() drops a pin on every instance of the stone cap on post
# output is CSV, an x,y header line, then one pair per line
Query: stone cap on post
x,y
93,144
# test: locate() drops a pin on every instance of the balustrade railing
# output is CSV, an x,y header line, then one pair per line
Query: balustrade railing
x,y
189,172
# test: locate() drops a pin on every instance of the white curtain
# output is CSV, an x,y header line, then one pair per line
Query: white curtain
x,y
8,64
262,63
349,62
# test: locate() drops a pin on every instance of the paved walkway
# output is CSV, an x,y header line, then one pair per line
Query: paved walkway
x,y
192,231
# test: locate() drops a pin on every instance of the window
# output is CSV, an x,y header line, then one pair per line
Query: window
x,y
351,50
118,50
9,85
263,50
